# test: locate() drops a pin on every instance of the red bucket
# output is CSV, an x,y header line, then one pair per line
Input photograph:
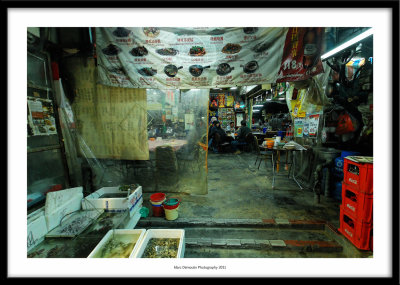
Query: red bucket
x,y
156,201
157,197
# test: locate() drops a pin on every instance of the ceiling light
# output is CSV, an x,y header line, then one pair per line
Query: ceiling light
x,y
345,45
233,88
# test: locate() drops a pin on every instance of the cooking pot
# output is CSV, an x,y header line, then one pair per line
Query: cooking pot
x,y
147,71
224,69
262,46
250,30
197,70
121,32
139,51
250,67
111,50
171,70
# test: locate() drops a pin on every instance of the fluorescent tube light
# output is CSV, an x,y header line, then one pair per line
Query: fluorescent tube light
x,y
258,106
256,111
354,40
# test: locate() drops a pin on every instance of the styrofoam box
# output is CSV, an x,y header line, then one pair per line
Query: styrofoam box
x,y
133,202
37,228
109,235
162,233
61,203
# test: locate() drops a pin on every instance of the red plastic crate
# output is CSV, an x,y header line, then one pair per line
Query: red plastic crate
x,y
358,233
358,175
357,204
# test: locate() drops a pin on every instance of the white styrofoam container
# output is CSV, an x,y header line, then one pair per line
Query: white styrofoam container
x,y
162,233
37,228
131,203
61,203
109,235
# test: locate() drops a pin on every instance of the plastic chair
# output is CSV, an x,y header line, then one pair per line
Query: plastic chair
x,y
262,154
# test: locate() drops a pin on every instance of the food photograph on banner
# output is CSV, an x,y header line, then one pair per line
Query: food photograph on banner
x,y
163,136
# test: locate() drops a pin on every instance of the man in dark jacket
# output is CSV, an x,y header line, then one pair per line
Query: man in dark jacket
x,y
216,129
243,132
241,136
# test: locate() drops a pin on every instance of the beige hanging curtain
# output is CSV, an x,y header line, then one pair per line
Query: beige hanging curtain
x,y
112,121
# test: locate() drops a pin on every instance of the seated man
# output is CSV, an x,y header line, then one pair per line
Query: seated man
x,y
216,129
231,127
210,133
241,137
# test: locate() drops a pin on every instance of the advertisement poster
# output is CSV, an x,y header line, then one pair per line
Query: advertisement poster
x,y
302,54
180,58
313,121
298,127
213,100
221,100
230,100
41,119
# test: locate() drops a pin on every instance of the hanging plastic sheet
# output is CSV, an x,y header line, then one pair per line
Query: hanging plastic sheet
x,y
178,140
308,96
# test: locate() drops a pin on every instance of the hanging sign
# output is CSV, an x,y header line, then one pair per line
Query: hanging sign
x,y
182,58
301,55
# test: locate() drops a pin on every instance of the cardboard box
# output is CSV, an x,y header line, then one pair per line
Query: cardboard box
x,y
132,202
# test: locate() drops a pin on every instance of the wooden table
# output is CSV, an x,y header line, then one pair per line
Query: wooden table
x,y
174,143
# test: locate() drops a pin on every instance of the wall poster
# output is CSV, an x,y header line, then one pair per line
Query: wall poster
x,y
41,119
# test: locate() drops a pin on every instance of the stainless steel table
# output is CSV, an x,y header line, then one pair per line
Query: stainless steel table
x,y
276,161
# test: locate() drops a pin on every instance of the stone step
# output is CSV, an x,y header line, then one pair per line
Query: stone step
x,y
253,223
296,245
250,234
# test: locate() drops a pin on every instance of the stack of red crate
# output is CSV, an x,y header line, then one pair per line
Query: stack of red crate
x,y
357,195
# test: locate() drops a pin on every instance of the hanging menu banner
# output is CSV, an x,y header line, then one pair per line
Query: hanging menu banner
x,y
181,58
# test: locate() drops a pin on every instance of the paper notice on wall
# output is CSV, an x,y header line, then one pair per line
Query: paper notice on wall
x,y
41,120
189,121
298,127
306,127
313,121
